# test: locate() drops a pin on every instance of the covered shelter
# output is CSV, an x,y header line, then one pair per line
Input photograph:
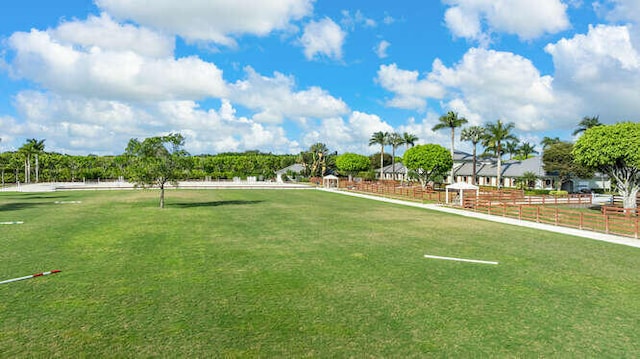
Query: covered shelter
x,y
330,181
460,187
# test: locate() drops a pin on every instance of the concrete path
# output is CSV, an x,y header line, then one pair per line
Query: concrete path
x,y
626,241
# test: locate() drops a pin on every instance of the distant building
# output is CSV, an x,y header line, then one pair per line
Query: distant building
x,y
512,170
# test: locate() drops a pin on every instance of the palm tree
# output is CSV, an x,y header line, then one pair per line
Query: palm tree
x,y
473,134
511,147
38,147
526,149
548,141
382,139
495,136
450,120
409,140
30,148
586,123
319,152
395,140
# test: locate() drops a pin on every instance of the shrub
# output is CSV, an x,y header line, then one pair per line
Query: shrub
x,y
536,192
558,193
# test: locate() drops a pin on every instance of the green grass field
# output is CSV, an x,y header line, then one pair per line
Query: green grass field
x,y
234,273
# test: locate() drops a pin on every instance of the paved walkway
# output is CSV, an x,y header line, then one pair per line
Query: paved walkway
x,y
626,241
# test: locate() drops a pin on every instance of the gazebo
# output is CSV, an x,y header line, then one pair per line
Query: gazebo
x,y
460,187
330,181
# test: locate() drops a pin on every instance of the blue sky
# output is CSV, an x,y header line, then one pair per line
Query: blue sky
x,y
278,76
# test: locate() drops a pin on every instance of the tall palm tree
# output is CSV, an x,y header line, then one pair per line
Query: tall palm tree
x,y
27,151
586,123
511,147
382,139
496,135
473,134
38,147
395,140
526,149
319,152
450,120
409,140
548,141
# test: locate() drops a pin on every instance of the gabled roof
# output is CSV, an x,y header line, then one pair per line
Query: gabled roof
x,y
459,156
400,168
295,168
512,168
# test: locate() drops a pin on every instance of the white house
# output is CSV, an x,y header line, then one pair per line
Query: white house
x,y
512,170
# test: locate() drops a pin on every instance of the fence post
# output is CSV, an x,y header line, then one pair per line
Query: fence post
x,y
520,212
581,220
636,229
606,223
537,214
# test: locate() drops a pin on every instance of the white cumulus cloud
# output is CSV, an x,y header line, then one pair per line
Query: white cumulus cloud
x,y
275,98
323,38
477,19
381,49
81,69
410,92
601,69
106,34
211,20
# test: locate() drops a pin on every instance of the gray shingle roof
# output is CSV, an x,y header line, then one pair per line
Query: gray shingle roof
x,y
512,168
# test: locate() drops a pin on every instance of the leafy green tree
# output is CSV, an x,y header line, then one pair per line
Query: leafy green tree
x,y
586,123
473,134
451,121
157,161
558,161
351,163
375,161
614,150
496,134
382,139
428,162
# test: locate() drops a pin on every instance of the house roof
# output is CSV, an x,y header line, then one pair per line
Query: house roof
x,y
461,185
459,156
400,168
513,168
295,168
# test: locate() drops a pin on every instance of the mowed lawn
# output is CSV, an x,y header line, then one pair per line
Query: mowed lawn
x,y
300,273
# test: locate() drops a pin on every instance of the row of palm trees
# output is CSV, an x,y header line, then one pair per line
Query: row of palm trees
x,y
495,137
498,139
31,149
394,140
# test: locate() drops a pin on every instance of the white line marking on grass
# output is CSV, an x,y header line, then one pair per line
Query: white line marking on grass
x,y
67,202
12,222
460,259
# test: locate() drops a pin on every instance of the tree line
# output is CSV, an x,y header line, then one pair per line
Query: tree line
x,y
31,164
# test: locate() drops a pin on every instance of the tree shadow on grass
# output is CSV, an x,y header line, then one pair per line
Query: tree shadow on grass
x,y
211,204
15,206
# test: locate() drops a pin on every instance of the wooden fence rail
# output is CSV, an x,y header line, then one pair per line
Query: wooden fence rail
x,y
514,204
623,225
